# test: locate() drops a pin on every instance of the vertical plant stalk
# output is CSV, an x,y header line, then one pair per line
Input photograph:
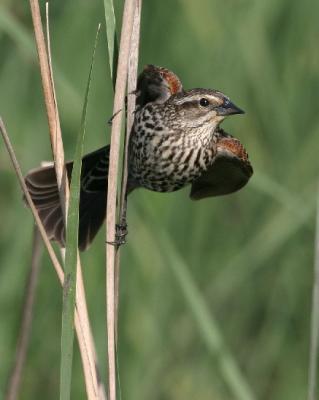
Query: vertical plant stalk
x,y
314,337
88,354
71,251
120,86
131,101
26,321
87,346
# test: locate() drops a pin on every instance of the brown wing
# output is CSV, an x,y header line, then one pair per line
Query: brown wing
x,y
230,171
42,186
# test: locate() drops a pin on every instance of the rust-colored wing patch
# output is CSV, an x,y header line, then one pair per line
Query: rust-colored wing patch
x,y
156,84
230,171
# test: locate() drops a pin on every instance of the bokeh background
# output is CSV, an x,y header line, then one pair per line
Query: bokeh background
x,y
216,294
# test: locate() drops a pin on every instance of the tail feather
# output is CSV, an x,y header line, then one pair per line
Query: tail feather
x,y
43,189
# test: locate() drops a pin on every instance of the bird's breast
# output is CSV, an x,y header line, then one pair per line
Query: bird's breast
x,y
167,161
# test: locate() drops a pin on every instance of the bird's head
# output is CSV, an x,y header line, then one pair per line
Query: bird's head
x,y
205,108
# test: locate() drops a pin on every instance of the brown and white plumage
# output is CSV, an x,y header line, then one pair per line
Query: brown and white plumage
x,y
176,140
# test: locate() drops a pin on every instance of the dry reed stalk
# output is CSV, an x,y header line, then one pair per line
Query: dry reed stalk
x,y
96,391
131,101
84,334
50,103
14,381
54,259
120,87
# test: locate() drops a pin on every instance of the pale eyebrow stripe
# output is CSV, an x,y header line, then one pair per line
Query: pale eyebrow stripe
x,y
197,97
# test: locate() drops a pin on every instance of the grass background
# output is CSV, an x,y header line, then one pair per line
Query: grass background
x,y
247,259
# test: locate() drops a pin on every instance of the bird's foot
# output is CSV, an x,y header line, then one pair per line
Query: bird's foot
x,y
120,234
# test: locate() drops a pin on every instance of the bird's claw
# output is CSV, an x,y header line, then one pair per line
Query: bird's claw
x,y
109,122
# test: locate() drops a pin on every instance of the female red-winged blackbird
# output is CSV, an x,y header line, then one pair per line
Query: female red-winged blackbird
x,y
175,141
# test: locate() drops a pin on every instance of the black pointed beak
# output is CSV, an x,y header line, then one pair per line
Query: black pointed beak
x,y
228,108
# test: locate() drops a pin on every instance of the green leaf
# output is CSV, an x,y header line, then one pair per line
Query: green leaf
x,y
112,44
69,288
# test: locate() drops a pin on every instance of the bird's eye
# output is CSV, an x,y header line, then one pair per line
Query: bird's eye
x,y
204,102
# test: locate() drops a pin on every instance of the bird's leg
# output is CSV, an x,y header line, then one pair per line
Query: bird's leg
x,y
121,227
121,232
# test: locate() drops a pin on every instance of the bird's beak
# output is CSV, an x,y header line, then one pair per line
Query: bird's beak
x,y
228,108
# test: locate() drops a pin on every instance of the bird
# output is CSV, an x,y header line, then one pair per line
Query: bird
x,y
176,140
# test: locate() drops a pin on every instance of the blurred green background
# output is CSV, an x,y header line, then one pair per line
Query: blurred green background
x,y
216,294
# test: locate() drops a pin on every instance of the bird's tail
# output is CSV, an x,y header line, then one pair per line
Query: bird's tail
x,y
43,189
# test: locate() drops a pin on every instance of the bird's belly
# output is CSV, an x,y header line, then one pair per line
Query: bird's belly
x,y
169,170
164,181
